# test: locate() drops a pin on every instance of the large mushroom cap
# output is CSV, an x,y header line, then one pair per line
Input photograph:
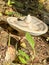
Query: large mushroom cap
x,y
29,24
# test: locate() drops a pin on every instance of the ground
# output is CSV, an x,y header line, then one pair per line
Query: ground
x,y
41,43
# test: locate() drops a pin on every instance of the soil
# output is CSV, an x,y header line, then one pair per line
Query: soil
x,y
41,45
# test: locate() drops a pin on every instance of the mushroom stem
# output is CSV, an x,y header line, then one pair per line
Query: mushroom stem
x,y
28,19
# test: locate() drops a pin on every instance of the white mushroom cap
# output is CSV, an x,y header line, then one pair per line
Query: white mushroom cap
x,y
29,24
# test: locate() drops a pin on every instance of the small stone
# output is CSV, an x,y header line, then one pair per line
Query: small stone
x,y
10,54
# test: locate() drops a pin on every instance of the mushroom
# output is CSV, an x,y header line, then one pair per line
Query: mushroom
x,y
29,24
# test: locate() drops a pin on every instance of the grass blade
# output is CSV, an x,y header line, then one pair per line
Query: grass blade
x,y
9,40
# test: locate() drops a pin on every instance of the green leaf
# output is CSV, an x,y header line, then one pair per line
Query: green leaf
x,y
13,2
22,60
9,2
24,54
30,40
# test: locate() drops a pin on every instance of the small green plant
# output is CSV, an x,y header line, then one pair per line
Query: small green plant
x,y
16,3
10,2
24,54
23,57
9,13
31,42
22,60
